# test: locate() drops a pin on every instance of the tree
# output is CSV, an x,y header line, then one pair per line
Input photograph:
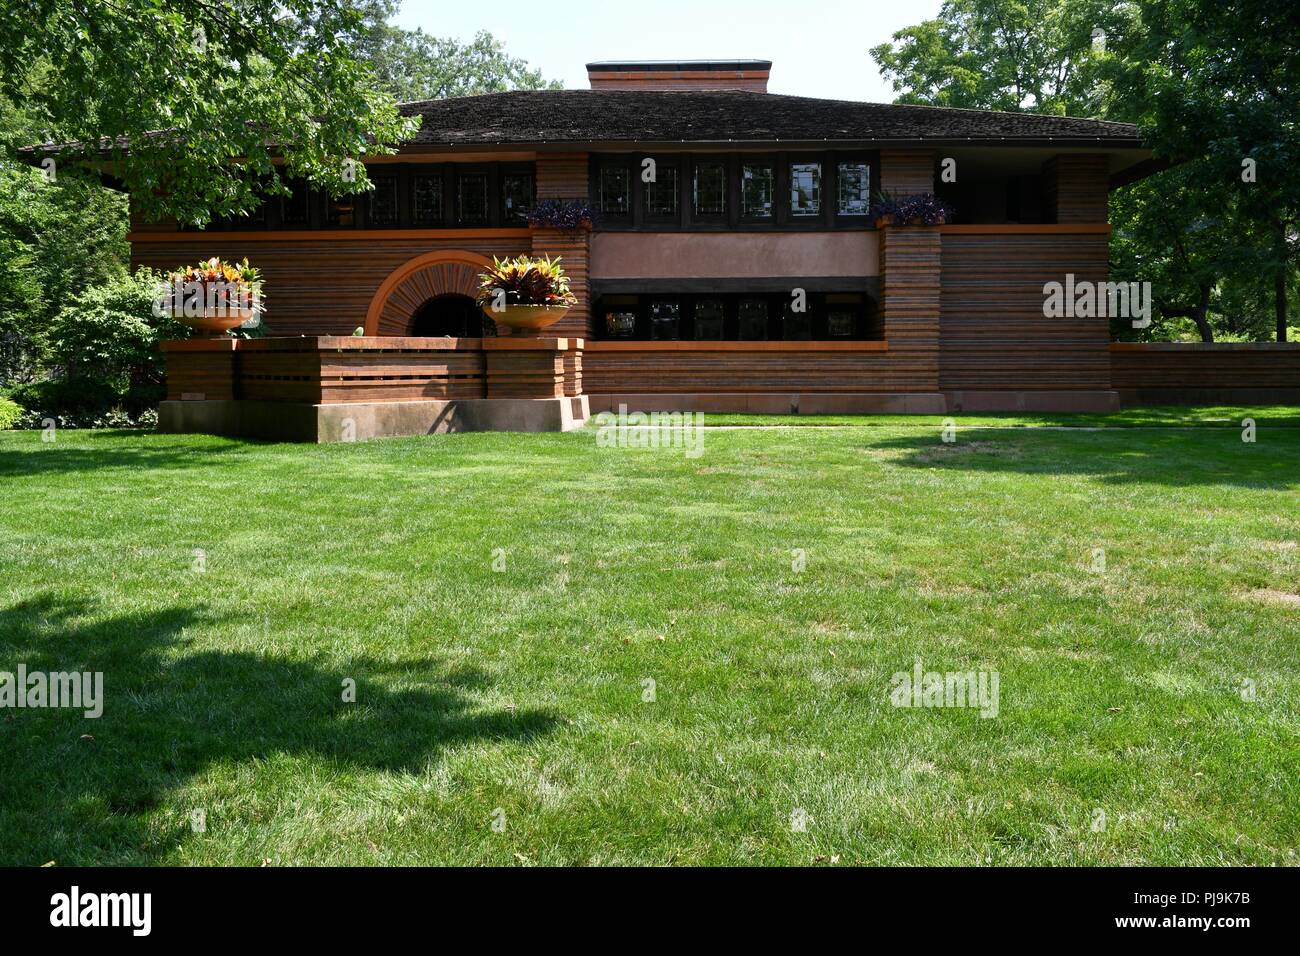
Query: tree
x,y
413,65
190,85
1011,55
1169,232
1209,84
1221,83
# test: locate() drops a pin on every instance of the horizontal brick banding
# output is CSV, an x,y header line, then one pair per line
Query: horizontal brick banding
x,y
993,331
526,367
326,370
1077,188
1180,372
748,367
321,286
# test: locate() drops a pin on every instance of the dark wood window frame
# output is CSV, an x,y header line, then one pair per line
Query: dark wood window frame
x,y
317,202
733,220
640,189
866,322
624,163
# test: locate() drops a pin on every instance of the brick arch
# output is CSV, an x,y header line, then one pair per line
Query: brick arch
x,y
417,281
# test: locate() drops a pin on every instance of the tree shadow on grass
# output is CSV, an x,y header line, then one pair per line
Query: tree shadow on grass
x,y
1174,457
83,450
170,713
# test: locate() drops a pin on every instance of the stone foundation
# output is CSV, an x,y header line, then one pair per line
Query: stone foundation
x,y
361,421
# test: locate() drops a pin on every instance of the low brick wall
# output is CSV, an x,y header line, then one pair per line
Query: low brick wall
x,y
332,370
1188,373
325,370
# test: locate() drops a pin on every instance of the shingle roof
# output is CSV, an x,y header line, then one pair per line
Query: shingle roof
x,y
720,116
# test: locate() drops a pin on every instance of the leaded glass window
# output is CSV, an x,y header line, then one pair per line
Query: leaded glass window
x,y
472,198
613,194
805,189
383,201
517,196
428,201
710,189
855,189
708,319
753,320
757,189
661,195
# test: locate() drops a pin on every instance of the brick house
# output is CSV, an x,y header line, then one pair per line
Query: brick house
x,y
719,207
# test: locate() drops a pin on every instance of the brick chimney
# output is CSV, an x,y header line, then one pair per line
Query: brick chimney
x,y
748,75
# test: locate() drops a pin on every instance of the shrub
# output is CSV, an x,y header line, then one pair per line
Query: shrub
x,y
103,352
113,418
10,413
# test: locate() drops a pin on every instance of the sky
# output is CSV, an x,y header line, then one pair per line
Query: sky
x,y
817,47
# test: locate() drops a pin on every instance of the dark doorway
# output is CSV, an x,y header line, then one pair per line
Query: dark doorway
x,y
456,315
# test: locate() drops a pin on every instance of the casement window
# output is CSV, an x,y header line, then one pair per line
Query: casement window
x,y
777,191
516,197
665,319
795,325
709,320
661,194
745,316
854,188
472,199
752,316
839,324
295,209
709,188
383,209
757,191
614,190
428,201
805,189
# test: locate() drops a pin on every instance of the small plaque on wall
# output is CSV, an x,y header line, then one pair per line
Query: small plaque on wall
x,y
194,396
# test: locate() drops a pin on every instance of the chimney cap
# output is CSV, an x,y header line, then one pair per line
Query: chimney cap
x,y
623,66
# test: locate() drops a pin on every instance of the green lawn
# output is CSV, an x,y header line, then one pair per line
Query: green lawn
x,y
521,692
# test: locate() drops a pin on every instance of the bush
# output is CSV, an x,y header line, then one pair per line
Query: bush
x,y
10,413
103,353
113,418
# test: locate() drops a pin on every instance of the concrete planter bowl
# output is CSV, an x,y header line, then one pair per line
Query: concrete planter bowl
x,y
217,321
529,317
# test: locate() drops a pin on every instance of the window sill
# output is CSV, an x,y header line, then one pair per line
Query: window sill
x,y
626,345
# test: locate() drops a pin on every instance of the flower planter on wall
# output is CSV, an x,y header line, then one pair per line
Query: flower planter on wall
x,y
217,321
529,317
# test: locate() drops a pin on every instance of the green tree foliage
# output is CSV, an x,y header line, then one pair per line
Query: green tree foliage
x,y
103,351
56,239
413,65
1213,85
191,84
1012,55
1209,84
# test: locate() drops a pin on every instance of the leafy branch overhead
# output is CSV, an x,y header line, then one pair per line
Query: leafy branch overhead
x,y
190,85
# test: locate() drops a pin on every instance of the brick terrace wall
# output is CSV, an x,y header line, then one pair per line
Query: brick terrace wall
x,y
993,334
1179,373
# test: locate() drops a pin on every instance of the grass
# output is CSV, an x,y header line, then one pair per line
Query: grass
x,y
518,695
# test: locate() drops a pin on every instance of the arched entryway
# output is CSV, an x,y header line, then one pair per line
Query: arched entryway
x,y
447,272
449,314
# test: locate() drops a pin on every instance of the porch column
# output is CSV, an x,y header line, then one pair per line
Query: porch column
x,y
526,367
910,269
564,176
